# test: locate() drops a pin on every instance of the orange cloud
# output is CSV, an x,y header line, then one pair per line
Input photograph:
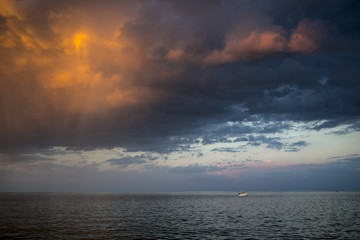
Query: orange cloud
x,y
306,38
79,42
175,54
9,9
127,97
258,44
73,65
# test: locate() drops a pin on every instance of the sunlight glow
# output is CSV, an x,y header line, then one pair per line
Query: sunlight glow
x,y
79,40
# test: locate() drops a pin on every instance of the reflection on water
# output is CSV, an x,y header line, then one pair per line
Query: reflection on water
x,y
276,215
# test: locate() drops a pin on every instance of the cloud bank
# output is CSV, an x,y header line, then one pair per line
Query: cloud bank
x,y
77,74
167,77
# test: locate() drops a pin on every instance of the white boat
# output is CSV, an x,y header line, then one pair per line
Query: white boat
x,y
243,194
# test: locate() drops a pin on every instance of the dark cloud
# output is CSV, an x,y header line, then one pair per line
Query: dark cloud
x,y
165,74
296,146
270,142
225,149
24,158
350,156
125,161
276,143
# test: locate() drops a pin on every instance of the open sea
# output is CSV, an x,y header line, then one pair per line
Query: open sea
x,y
198,215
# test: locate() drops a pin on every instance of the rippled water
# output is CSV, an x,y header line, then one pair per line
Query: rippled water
x,y
270,215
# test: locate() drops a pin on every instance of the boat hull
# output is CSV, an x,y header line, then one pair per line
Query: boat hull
x,y
243,194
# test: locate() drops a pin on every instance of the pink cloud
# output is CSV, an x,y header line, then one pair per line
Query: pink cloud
x,y
175,54
258,44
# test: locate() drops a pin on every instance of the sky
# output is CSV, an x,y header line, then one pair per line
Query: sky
x,y
159,96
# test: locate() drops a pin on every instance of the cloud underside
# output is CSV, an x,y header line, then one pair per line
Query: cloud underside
x,y
158,76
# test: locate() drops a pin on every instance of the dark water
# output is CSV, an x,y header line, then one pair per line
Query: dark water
x,y
275,215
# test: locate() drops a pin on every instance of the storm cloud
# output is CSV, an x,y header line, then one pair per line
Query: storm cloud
x,y
168,77
158,74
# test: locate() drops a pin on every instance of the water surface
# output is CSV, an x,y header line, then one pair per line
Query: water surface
x,y
262,215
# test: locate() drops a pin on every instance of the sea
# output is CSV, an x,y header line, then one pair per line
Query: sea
x,y
189,215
